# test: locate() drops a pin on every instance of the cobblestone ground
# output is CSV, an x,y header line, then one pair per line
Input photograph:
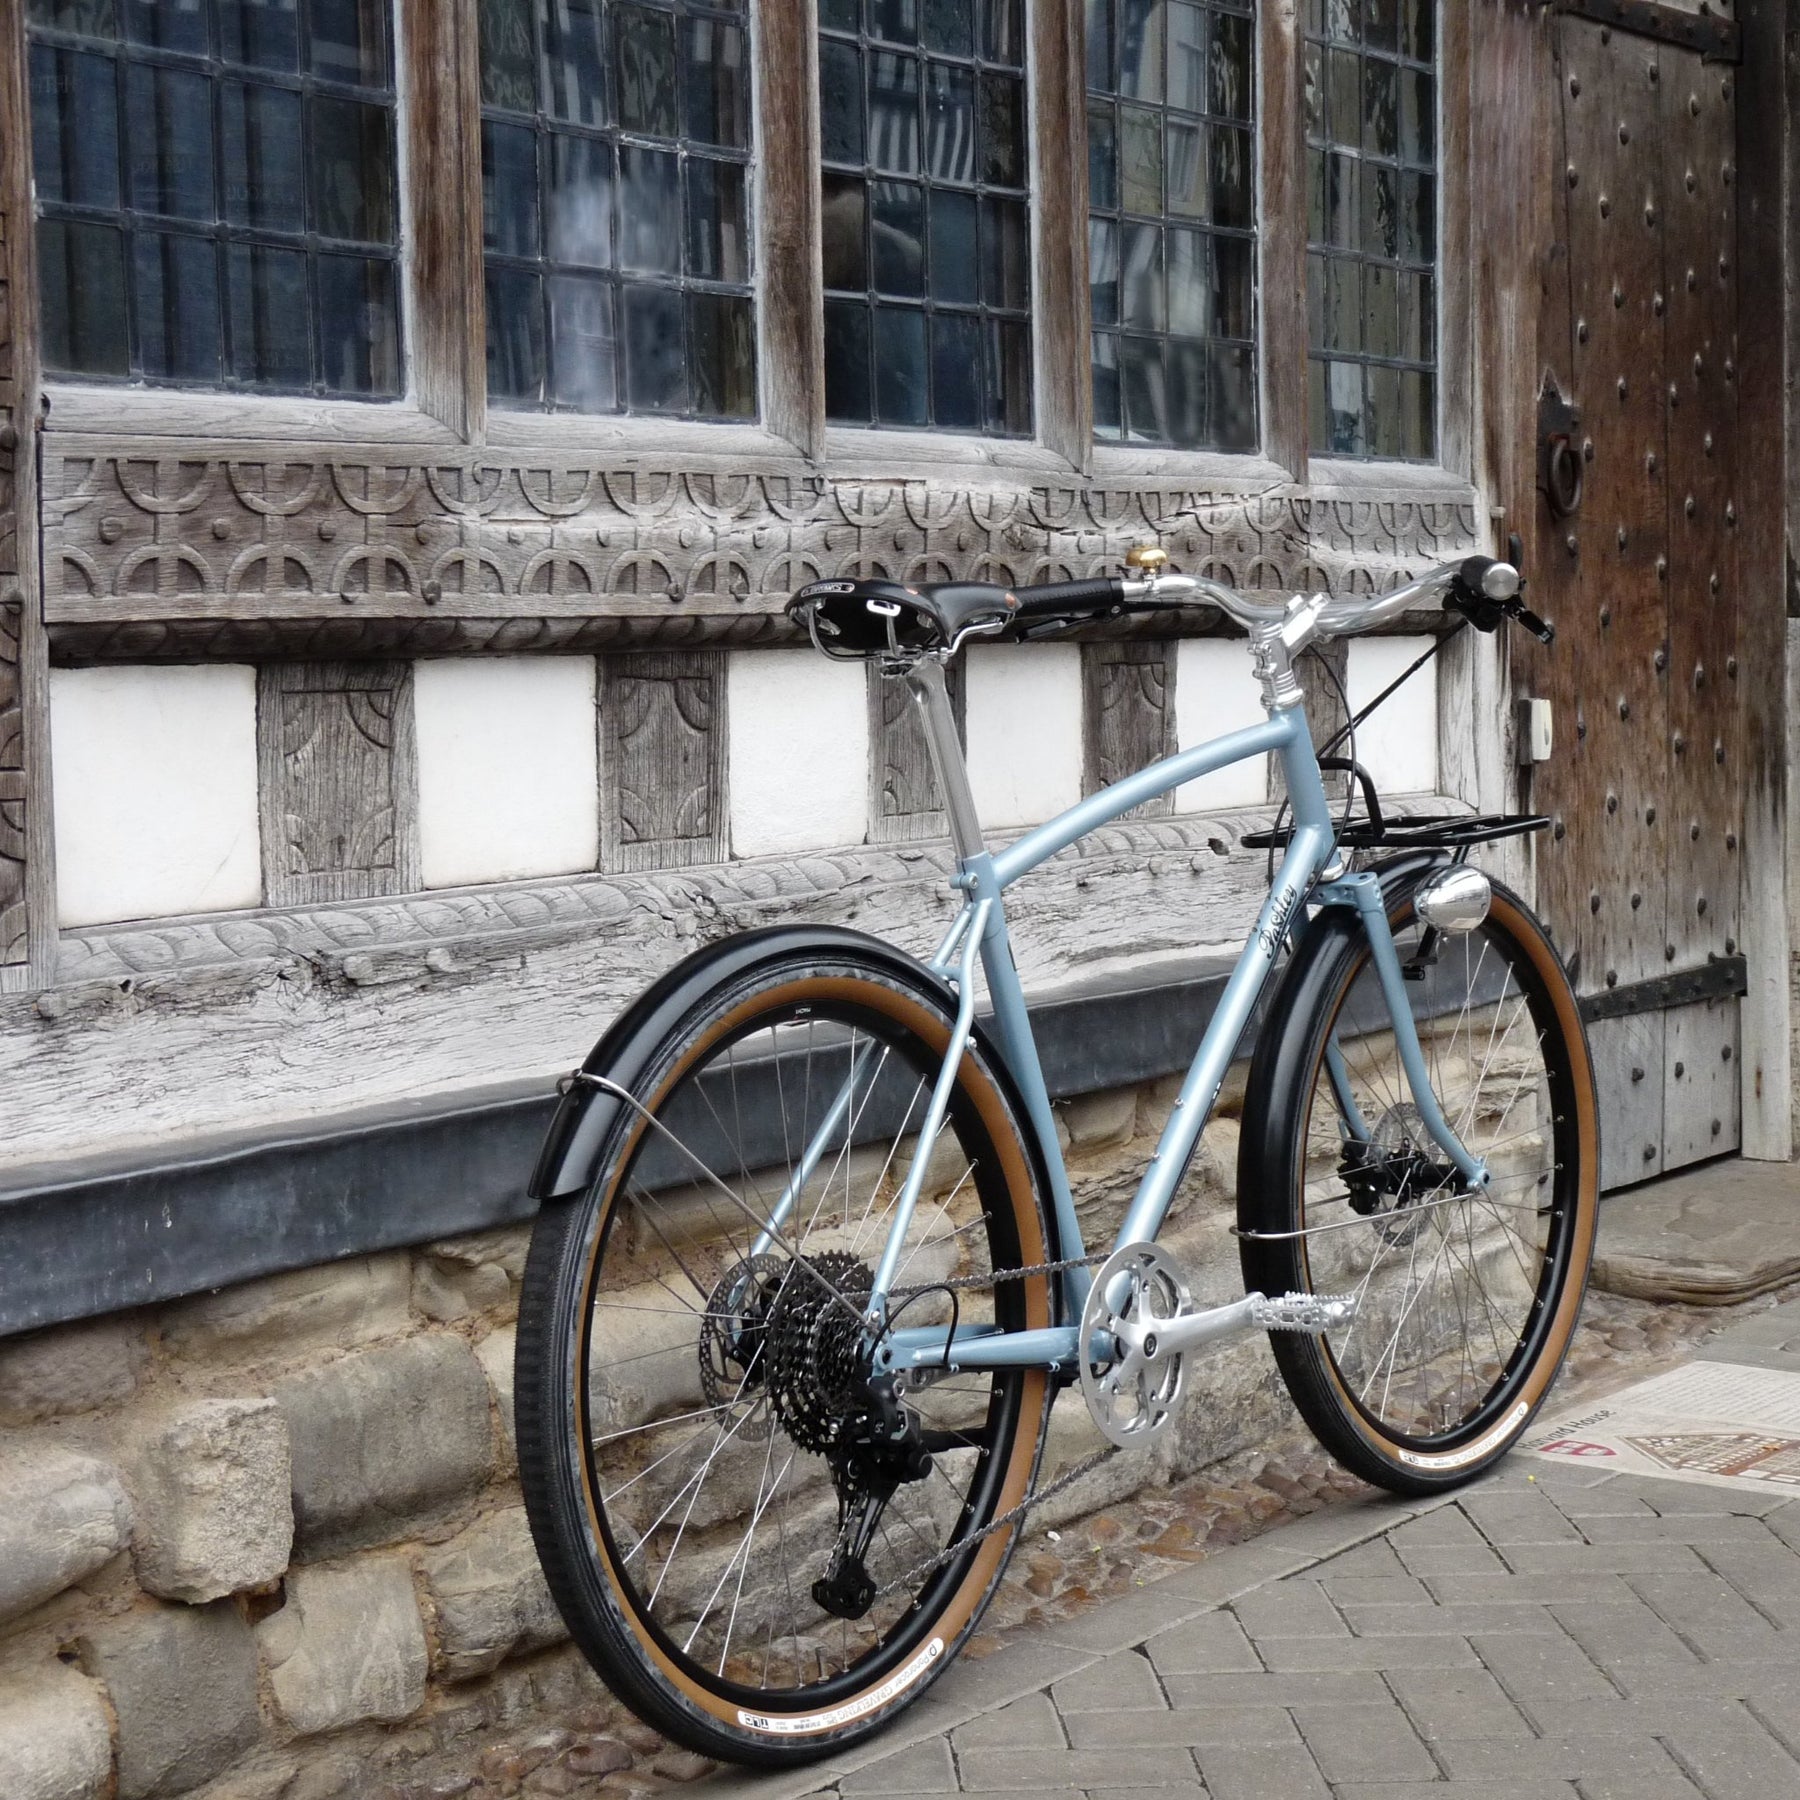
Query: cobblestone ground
x,y
1275,1697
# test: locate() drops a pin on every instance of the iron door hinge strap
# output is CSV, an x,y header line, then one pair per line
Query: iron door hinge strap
x,y
1717,39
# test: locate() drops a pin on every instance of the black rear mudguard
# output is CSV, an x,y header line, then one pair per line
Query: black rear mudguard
x,y
576,1141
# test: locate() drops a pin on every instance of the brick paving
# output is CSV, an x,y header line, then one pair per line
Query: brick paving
x,y
1550,1631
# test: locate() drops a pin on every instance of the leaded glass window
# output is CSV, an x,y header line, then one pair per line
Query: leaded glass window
x,y
615,157
1172,221
927,228
1372,195
216,194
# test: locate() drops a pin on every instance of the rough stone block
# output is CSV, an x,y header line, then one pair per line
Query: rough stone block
x,y
382,1437
335,1306
452,1290
1098,1120
61,1517
490,1596
348,1646
495,1353
55,1738
73,1369
214,1512
182,1681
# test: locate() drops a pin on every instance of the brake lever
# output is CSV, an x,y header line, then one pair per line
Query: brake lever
x,y
1486,613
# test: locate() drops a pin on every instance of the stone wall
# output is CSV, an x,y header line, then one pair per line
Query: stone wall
x,y
251,1539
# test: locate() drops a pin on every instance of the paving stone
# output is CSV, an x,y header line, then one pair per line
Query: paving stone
x,y
70,1370
1655,1557
1364,1743
1213,1641
62,1516
1618,1715
55,1736
1346,1591
1289,1609
1518,1518
1232,1772
1442,1621
382,1437
919,1769
1503,1588
1327,1687
1123,1683
182,1682
214,1512
1623,1636
1408,1652
1459,1790
1054,1768
1550,1668
1733,1758
347,1646
1188,1726
1620,1758
1371,1561
1676,1528
1710,1612
1032,1720
1431,1560
1459,1704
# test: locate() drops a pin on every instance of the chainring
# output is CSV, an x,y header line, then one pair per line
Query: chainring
x,y
1132,1394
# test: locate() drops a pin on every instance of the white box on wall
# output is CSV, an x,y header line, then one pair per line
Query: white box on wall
x,y
153,774
1398,743
509,767
1217,692
1023,724
798,747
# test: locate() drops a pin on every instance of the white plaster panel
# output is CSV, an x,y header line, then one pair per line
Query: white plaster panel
x,y
1217,692
509,779
798,746
154,778
1024,731
1398,743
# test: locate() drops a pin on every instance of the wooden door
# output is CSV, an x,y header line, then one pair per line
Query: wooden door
x,y
1639,876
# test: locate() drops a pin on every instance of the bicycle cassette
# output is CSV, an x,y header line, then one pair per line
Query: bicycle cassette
x,y
1132,1392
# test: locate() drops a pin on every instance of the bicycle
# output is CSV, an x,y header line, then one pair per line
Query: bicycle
x,y
808,1273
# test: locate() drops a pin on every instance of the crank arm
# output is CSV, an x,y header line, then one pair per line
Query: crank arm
x,y
1312,1313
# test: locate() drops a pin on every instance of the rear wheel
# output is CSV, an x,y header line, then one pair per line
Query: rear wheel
x,y
1466,1303
744,1556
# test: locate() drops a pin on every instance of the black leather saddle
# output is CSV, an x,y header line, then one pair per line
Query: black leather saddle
x,y
852,618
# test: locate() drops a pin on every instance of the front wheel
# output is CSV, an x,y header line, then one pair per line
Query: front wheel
x,y
750,1555
1465,1303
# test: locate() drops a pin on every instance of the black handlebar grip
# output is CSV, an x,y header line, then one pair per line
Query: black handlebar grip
x,y
1055,599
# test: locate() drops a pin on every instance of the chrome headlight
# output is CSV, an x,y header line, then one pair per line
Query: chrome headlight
x,y
1454,899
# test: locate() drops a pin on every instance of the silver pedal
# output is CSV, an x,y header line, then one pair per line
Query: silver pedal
x,y
1313,1313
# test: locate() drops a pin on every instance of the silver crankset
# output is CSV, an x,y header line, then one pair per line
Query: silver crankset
x,y
1138,1324
1130,1378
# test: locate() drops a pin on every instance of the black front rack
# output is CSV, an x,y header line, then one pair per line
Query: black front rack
x,y
1447,831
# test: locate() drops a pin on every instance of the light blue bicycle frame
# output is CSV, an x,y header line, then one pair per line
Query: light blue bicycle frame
x,y
980,931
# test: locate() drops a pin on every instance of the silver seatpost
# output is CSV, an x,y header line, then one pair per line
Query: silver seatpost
x,y
925,678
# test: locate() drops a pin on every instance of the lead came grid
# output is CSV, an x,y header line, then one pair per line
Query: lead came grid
x,y
1371,134
615,145
1172,222
927,237
216,192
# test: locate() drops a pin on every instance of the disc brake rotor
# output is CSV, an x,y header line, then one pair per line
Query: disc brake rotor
x,y
1132,1393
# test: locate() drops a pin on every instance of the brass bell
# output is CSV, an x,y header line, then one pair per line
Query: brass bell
x,y
1147,559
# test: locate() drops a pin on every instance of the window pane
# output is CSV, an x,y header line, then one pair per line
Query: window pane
x,y
1171,243
260,34
634,293
924,137
81,272
583,350
176,294
268,312
1372,227
259,141
515,335
359,325
199,132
